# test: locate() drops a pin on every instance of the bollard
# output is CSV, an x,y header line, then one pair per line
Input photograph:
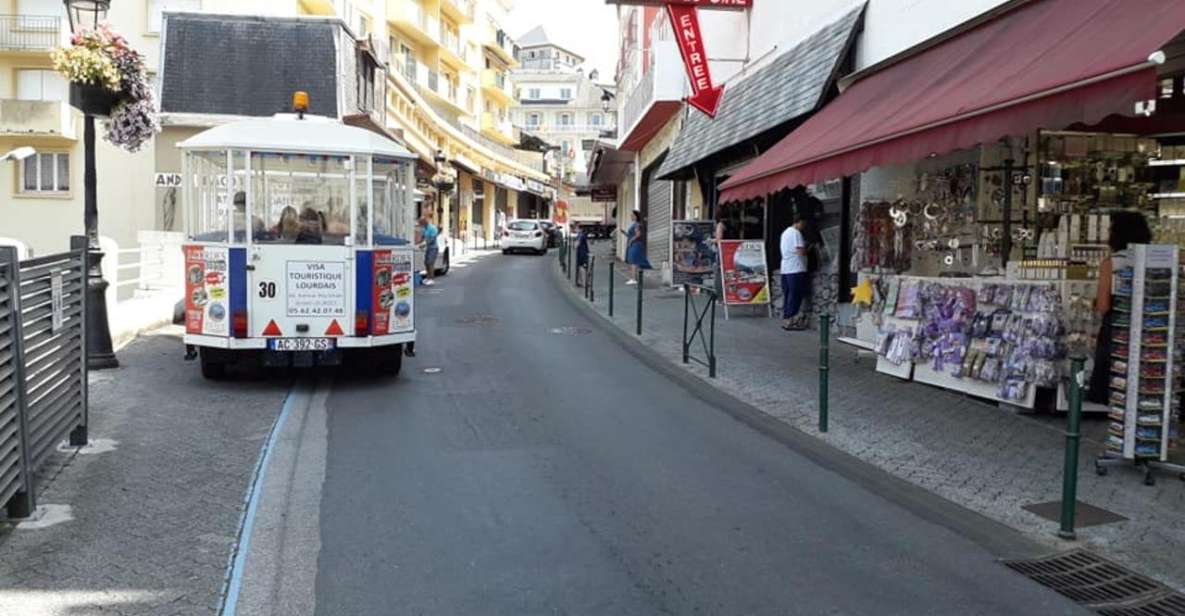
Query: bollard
x,y
824,368
641,273
590,278
612,291
571,258
1073,436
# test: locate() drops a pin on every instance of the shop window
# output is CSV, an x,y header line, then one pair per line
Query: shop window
x,y
46,173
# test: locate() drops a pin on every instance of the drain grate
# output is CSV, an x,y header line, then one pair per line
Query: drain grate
x,y
1101,585
478,319
1170,605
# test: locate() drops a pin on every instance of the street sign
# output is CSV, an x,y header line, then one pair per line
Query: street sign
x,y
603,194
685,23
684,16
706,4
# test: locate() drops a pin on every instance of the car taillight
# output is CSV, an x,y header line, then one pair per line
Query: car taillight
x,y
239,323
362,324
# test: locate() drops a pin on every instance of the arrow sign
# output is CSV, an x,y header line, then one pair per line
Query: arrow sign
x,y
685,23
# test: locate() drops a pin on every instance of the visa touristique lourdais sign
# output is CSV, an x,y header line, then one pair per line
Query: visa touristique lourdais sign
x,y
684,16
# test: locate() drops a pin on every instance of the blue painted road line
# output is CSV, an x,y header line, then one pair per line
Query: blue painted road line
x,y
234,582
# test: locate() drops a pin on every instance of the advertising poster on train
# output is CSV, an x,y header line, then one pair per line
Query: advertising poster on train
x,y
207,290
746,276
392,295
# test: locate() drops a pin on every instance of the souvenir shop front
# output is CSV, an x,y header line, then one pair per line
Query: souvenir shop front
x,y
986,205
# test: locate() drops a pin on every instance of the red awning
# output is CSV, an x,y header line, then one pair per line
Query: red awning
x,y
1046,64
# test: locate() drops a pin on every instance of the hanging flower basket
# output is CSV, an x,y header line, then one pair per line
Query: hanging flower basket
x,y
108,79
93,100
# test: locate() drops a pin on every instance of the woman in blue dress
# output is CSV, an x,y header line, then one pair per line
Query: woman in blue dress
x,y
635,251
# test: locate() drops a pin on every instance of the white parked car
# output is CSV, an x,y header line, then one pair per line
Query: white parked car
x,y
524,235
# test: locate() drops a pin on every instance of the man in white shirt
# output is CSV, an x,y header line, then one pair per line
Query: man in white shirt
x,y
794,275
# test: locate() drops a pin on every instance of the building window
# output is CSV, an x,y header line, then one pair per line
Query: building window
x,y
470,97
564,119
363,26
594,119
533,120
46,173
566,94
156,9
588,144
40,85
533,94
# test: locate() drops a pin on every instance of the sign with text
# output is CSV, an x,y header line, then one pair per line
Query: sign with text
x,y
746,276
703,4
693,255
207,290
604,194
685,23
316,288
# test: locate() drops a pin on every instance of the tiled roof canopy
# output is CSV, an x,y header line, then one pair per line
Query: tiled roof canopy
x,y
792,85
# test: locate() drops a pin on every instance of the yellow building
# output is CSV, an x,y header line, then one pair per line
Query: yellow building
x,y
450,91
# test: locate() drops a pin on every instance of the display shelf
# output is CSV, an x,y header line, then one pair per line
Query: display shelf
x,y
858,343
925,373
1167,163
1168,195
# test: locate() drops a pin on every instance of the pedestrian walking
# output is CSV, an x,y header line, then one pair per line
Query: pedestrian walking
x,y
794,274
428,234
581,256
635,251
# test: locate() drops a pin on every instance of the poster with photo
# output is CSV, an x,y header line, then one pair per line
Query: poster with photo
x,y
746,277
207,290
693,255
392,296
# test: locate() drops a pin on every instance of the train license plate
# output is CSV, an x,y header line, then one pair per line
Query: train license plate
x,y
301,344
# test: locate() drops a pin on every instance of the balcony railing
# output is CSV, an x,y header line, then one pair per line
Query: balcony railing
x,y
663,82
30,32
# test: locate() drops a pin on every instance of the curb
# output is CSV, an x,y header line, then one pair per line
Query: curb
x,y
1001,540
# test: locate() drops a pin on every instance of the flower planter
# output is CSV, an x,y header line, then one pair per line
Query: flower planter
x,y
93,100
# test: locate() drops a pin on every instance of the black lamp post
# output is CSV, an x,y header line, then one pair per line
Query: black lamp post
x,y
444,182
92,101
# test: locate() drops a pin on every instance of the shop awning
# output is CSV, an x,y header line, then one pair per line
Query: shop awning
x,y
1044,64
789,87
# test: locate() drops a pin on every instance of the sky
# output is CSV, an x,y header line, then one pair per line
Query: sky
x,y
587,27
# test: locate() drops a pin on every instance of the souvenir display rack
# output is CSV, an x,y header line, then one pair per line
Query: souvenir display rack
x,y
992,338
1145,408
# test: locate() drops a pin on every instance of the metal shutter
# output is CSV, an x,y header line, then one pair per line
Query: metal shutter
x,y
658,227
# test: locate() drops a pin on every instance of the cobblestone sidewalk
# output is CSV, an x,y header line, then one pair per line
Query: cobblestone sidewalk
x,y
155,507
978,455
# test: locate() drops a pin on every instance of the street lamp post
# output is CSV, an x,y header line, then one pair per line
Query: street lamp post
x,y
444,182
88,14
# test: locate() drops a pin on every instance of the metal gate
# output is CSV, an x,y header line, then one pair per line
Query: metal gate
x,y
658,227
43,396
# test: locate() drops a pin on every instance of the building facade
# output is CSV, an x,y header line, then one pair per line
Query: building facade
x,y
448,90
568,109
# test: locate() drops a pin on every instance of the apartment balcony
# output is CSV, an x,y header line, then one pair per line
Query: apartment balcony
x,y
498,130
30,34
433,85
460,11
452,50
414,22
36,119
496,85
502,46
655,99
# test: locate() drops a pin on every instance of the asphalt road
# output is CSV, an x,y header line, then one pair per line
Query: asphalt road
x,y
545,473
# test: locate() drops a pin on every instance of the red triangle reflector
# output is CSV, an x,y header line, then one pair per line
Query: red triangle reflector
x,y
272,329
334,329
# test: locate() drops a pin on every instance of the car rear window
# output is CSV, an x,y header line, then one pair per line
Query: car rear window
x,y
523,225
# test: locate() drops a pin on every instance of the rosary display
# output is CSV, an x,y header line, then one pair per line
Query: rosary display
x,y
1011,335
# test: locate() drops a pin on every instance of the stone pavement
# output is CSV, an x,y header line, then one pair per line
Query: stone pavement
x,y
976,454
155,506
